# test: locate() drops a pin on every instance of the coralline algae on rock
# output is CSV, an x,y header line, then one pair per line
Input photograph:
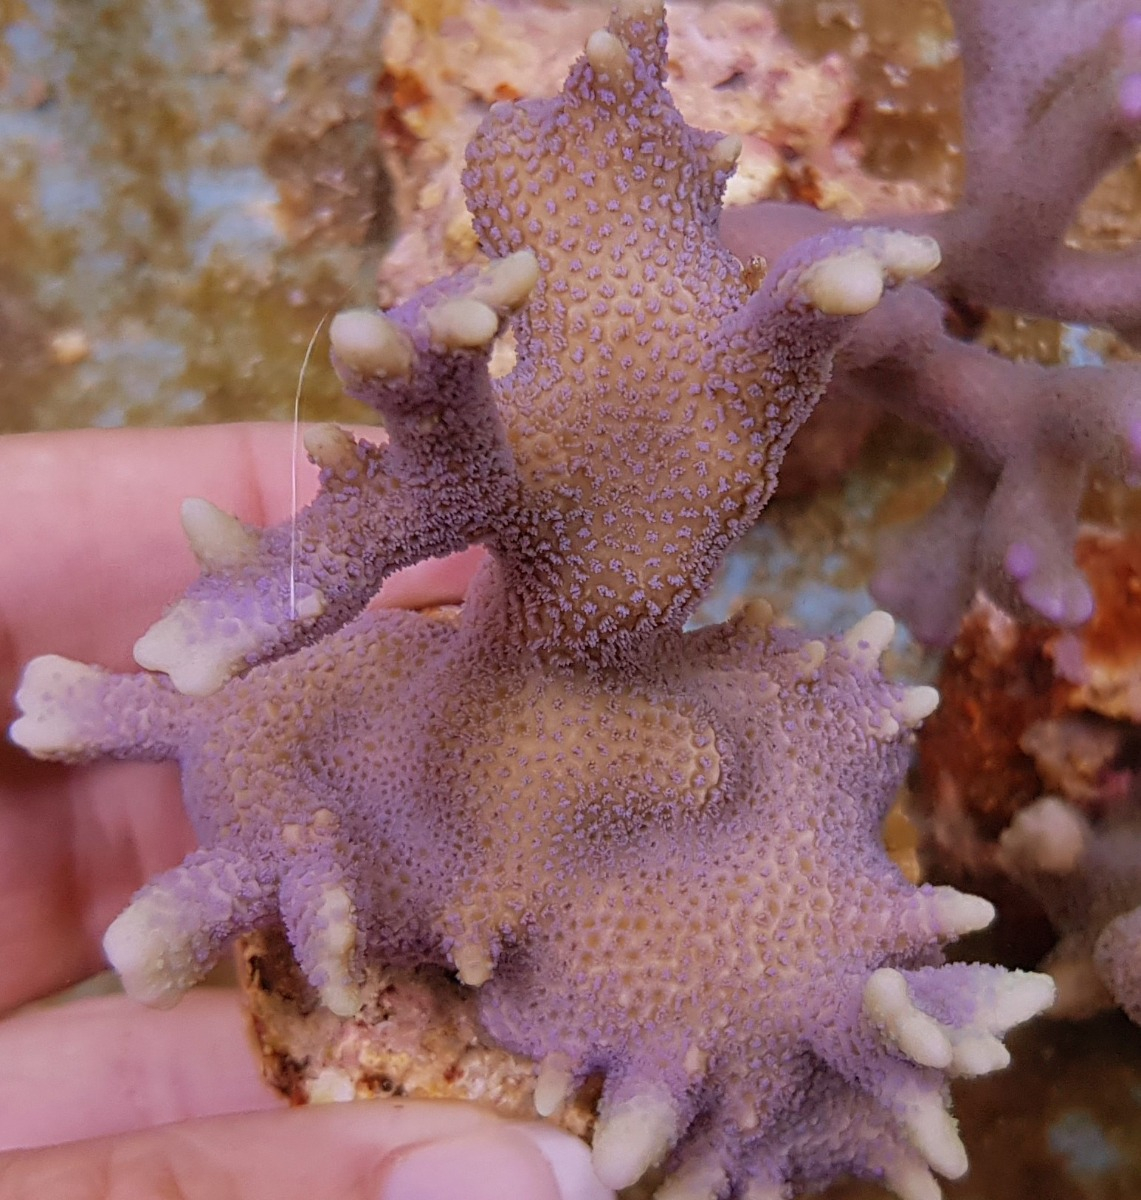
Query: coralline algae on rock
x,y
654,853
1030,772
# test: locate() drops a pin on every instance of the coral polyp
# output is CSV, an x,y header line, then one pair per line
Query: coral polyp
x,y
654,852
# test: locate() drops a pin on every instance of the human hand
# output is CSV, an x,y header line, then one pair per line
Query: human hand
x,y
101,1097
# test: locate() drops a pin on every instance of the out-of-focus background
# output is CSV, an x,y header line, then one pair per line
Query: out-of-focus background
x,y
186,187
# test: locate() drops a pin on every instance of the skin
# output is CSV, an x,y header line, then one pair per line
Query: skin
x,y
126,1102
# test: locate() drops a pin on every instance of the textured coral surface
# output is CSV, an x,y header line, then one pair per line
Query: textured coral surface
x,y
654,852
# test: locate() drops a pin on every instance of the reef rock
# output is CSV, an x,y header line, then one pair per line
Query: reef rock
x,y
1028,781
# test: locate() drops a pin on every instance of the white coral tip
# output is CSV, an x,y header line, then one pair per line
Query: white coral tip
x,y
978,1054
217,539
370,344
341,997
606,54
934,1133
196,663
912,1181
633,1136
726,152
310,606
702,1179
845,284
870,637
1018,996
462,324
757,613
329,445
334,948
46,729
553,1085
887,730
473,964
907,255
1049,835
956,913
917,705
507,283
887,1003
151,969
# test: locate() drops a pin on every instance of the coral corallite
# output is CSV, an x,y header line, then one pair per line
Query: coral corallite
x,y
655,853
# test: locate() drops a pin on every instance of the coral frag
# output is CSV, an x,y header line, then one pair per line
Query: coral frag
x,y
655,853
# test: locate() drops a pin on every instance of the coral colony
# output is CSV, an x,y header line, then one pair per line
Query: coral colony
x,y
652,853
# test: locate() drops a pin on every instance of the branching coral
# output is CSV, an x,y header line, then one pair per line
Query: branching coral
x,y
654,852
1052,101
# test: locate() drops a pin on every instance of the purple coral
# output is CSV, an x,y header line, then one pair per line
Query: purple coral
x,y
1052,101
655,853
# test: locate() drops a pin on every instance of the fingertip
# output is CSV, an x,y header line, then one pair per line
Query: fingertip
x,y
478,1166
362,1150
433,581
570,1162
512,1163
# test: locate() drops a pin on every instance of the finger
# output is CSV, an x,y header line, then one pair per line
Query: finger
x,y
91,550
434,581
369,1150
106,1066
75,844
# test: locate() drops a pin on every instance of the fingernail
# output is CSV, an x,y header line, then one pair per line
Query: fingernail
x,y
570,1163
502,1165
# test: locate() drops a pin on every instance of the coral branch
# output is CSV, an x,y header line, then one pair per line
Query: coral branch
x,y
175,929
1007,524
444,481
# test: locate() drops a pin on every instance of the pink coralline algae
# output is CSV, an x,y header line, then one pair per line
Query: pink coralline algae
x,y
654,852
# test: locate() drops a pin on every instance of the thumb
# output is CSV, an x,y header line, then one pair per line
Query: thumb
x,y
368,1150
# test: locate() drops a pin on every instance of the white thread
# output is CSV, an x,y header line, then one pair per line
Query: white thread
x,y
294,445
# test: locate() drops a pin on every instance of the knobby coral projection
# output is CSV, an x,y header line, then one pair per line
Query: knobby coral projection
x,y
655,853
